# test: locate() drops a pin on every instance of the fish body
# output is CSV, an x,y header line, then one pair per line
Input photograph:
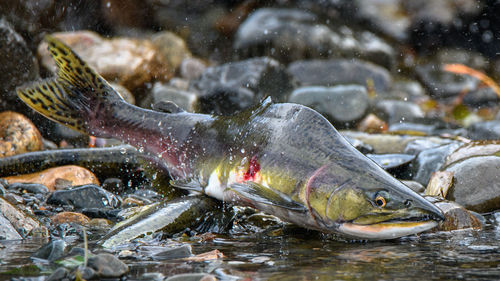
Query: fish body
x,y
284,159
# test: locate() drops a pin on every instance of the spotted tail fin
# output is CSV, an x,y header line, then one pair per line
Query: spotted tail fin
x,y
74,96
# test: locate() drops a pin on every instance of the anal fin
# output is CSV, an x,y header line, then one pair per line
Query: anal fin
x,y
257,193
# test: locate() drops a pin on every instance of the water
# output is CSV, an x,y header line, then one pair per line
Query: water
x,y
297,254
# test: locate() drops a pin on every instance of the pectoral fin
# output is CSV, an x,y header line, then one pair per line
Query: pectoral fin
x,y
255,192
187,185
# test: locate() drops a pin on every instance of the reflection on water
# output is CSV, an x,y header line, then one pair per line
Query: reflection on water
x,y
304,255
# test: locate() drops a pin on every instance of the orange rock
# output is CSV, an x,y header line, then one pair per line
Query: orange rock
x,y
77,176
17,134
68,217
212,255
372,124
130,62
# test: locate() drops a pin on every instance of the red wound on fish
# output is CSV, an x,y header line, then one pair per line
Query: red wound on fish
x,y
253,169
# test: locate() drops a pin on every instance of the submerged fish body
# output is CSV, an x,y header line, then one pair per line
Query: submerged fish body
x,y
284,159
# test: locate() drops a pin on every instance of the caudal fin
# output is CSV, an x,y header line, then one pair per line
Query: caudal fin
x,y
74,96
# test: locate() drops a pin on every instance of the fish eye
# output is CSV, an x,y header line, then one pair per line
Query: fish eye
x,y
380,201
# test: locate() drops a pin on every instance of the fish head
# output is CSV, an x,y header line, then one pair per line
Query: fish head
x,y
368,204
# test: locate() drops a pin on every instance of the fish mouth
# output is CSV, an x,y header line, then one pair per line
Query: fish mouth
x,y
389,229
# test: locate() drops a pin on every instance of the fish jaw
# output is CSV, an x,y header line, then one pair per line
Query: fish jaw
x,y
385,230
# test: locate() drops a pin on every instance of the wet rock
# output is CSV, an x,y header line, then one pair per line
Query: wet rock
x,y
466,57
391,162
292,34
386,143
192,277
161,92
212,255
342,105
18,134
99,223
261,76
191,68
488,130
429,161
132,202
411,128
372,124
70,217
51,251
333,72
395,111
60,273
29,187
417,145
107,265
407,90
87,273
86,196
17,65
225,100
387,16
77,176
7,230
476,183
439,184
182,251
473,149
114,185
124,92
171,47
442,84
152,276
13,199
456,217
22,222
129,62
415,186
438,19
482,97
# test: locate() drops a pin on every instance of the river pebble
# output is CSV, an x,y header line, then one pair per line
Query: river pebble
x,y
251,80
17,65
334,72
431,160
396,112
18,134
342,105
192,277
131,62
488,130
107,265
70,217
476,183
85,196
292,34
457,217
22,222
74,174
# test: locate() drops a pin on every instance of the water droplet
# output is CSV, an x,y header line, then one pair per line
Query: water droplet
x,y
123,150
